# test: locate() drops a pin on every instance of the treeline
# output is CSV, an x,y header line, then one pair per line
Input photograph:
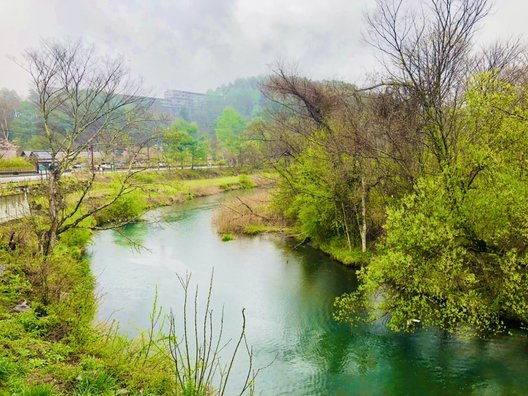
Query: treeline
x,y
221,129
218,131
421,178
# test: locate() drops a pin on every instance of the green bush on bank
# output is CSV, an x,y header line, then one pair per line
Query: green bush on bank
x,y
127,208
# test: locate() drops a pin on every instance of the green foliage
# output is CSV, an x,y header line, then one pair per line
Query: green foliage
x,y
338,250
39,390
183,143
25,126
245,182
127,208
228,237
15,163
6,369
243,95
96,383
229,128
454,255
317,198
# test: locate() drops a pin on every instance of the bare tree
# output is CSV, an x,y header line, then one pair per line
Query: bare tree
x,y
333,117
95,101
9,101
428,57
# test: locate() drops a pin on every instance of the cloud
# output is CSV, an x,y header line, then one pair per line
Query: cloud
x,y
201,44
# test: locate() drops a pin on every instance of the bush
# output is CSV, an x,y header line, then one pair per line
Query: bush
x,y
125,209
245,182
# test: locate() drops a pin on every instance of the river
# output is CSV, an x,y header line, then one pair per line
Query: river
x,y
288,295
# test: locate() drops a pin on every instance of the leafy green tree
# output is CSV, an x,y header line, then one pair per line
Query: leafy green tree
x,y
454,255
25,125
229,128
182,141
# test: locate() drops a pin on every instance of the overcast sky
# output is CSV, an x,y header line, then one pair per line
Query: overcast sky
x,y
201,44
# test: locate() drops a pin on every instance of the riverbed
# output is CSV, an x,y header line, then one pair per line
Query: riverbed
x,y
287,294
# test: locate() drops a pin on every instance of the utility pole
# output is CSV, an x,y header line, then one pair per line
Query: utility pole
x,y
92,158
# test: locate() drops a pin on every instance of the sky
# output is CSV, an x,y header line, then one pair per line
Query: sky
x,y
198,45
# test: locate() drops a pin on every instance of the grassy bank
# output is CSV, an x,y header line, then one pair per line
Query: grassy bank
x,y
53,347
256,214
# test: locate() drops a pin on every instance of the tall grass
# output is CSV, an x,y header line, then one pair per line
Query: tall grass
x,y
249,214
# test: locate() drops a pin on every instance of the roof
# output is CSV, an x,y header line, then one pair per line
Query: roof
x,y
41,155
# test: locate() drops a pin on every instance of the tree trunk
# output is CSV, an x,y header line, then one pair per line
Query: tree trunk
x,y
50,235
347,233
363,227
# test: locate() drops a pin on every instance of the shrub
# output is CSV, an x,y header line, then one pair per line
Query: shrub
x,y
245,182
127,208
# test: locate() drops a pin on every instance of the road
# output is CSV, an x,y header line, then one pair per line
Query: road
x,y
35,177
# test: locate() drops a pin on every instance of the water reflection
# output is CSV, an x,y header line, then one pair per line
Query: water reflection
x,y
288,294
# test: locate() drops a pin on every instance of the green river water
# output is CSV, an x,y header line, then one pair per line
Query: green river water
x,y
288,295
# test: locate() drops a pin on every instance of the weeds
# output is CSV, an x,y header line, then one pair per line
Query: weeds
x,y
54,349
198,367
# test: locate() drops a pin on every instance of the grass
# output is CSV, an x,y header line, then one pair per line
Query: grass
x,y
17,163
228,237
250,215
53,348
338,250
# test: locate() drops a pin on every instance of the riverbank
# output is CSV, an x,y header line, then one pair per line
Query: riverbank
x,y
49,343
256,214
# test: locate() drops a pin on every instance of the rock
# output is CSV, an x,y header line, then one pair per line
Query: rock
x,y
23,306
2,269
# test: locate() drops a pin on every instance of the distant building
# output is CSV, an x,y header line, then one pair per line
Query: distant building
x,y
175,101
41,158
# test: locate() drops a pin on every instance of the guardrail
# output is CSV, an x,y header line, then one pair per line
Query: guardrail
x,y
18,170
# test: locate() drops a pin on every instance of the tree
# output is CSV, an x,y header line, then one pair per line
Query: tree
x,y
429,60
453,256
454,251
229,128
9,102
80,98
328,152
25,126
182,140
